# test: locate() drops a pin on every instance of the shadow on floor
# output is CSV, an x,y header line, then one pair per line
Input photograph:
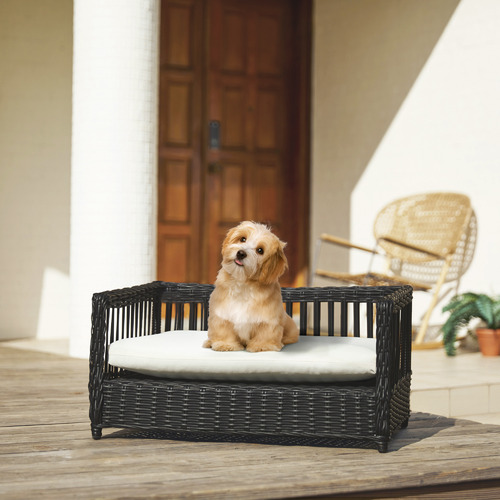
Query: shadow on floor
x,y
421,426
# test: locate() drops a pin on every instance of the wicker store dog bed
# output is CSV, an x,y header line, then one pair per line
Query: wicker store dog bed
x,y
265,400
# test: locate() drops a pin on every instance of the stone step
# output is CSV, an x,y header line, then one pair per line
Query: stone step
x,y
465,386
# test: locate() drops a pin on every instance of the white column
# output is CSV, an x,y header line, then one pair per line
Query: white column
x,y
113,184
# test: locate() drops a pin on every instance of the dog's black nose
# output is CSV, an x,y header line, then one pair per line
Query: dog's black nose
x,y
241,255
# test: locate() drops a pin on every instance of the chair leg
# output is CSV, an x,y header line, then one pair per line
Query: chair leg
x,y
96,432
423,327
383,447
425,322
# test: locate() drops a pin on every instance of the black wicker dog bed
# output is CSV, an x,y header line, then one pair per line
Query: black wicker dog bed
x,y
363,413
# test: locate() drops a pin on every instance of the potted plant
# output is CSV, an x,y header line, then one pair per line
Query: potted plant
x,y
465,307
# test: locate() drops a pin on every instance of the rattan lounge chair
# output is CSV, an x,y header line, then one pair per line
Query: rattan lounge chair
x,y
362,413
428,241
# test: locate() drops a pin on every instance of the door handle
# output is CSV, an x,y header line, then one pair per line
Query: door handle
x,y
214,134
215,167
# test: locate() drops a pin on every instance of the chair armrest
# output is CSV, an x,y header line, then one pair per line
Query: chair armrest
x,y
411,247
394,332
394,336
117,313
124,312
393,310
328,238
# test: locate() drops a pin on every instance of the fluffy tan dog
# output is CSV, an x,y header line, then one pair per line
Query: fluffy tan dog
x,y
246,309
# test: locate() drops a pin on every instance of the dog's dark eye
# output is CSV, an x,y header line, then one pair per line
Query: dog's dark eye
x,y
243,239
260,250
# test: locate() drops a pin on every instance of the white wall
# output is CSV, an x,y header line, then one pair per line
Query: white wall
x,y
405,100
446,137
35,139
367,56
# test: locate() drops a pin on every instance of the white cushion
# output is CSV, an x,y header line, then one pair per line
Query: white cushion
x,y
179,354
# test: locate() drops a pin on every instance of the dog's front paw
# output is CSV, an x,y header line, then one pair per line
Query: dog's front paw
x,y
226,346
255,347
207,344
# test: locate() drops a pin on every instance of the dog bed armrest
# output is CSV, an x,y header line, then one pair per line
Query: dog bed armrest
x,y
138,306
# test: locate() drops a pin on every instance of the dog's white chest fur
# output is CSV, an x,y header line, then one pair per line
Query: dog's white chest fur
x,y
239,308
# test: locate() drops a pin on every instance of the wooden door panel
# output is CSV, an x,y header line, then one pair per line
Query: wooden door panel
x,y
233,113
269,54
177,39
232,194
267,194
175,252
239,67
179,140
233,48
247,91
268,119
175,184
175,105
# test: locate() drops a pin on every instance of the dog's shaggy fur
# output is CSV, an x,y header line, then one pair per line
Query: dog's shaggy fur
x,y
246,308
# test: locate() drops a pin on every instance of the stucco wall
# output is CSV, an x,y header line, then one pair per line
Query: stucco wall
x,y
406,101
35,144
367,56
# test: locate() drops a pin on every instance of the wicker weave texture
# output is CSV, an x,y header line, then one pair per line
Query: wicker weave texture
x,y
364,414
242,408
440,223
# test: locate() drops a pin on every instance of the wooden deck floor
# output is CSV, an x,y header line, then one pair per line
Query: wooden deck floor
x,y
46,451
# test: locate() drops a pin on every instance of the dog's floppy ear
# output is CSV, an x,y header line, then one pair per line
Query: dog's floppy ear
x,y
228,238
274,266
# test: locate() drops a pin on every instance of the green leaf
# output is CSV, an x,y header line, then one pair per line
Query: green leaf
x,y
485,309
462,309
460,301
459,317
496,313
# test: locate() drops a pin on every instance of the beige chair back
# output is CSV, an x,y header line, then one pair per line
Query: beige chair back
x,y
440,224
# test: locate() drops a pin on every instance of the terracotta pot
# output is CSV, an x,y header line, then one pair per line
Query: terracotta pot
x,y
489,341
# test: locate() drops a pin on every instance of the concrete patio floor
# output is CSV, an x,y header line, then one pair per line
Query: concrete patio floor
x,y
466,385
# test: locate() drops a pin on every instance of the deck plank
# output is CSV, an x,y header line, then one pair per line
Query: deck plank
x,y
47,451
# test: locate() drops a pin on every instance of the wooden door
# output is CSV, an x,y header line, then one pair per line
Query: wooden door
x,y
233,129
